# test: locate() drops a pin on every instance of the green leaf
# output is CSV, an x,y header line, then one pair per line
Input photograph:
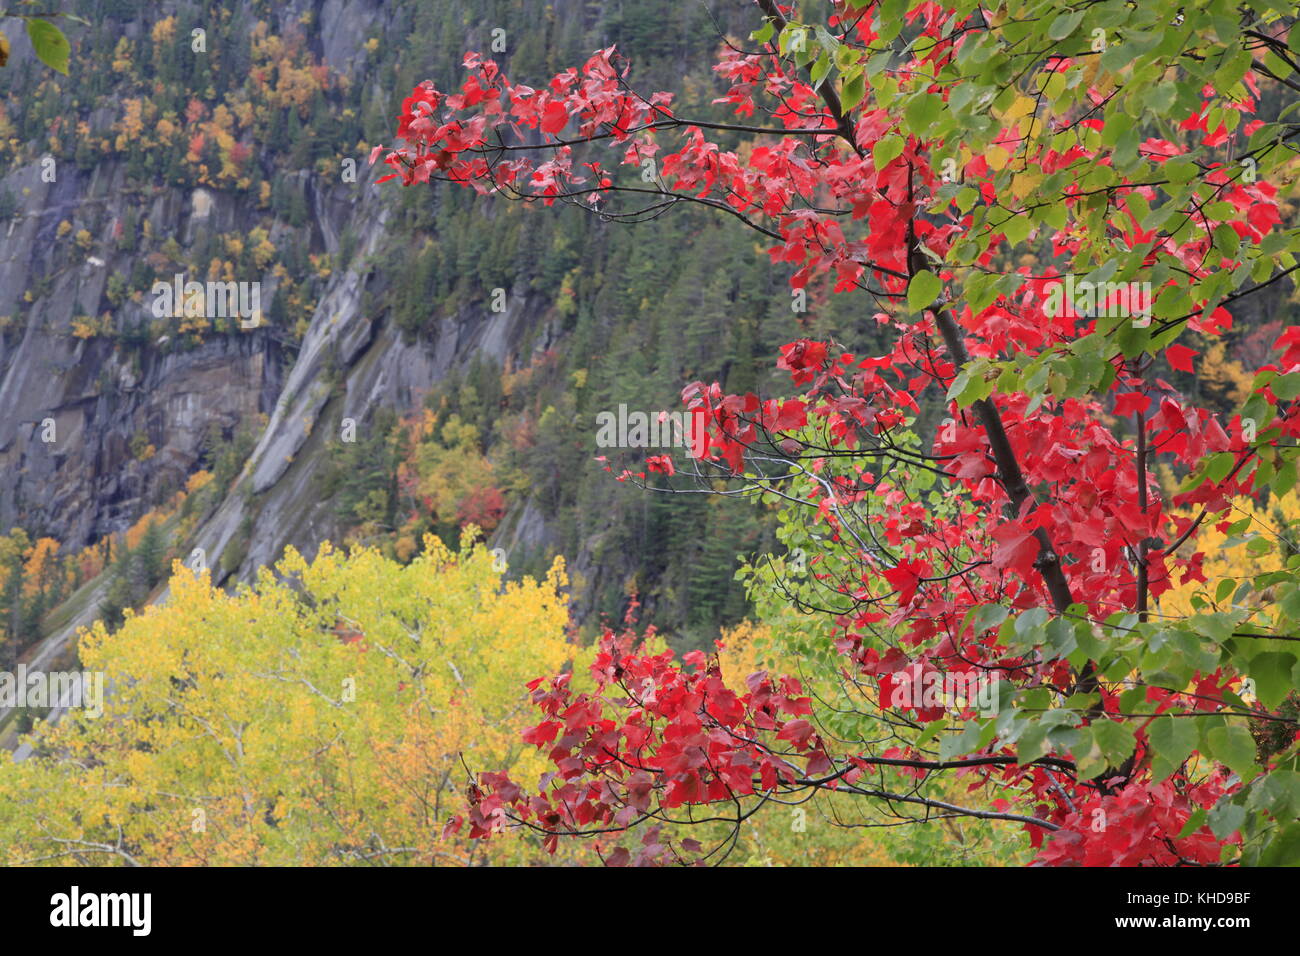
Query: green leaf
x,y
1283,849
1234,747
974,736
1032,744
922,290
1290,603
821,68
1226,818
1172,742
1162,98
986,616
1226,239
1088,758
931,729
1016,229
1065,24
1194,823
1029,626
1271,672
1278,793
921,112
1060,637
1180,170
1217,627
887,149
1220,465
50,44
1115,740
970,385
1287,386
1259,546
854,89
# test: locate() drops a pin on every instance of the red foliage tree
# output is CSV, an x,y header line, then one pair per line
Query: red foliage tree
x,y
915,152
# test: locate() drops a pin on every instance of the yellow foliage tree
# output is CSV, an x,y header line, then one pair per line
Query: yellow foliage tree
x,y
164,31
323,716
1259,546
264,250
122,55
451,469
38,563
1224,379
131,125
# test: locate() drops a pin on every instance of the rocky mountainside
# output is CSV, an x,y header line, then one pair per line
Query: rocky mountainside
x,y
77,478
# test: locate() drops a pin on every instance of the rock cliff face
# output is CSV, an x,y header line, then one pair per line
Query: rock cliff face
x,y
350,366
93,436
